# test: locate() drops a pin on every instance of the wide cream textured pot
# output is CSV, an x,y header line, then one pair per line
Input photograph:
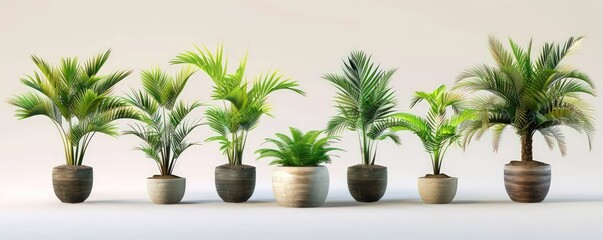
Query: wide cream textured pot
x,y
300,186
166,190
437,190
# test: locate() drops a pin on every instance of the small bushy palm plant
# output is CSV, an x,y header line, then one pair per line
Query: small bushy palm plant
x,y
299,150
439,129
163,126
243,103
77,99
365,103
529,95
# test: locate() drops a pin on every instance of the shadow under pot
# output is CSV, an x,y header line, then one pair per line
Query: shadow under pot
x,y
437,189
367,183
72,183
235,183
166,189
527,181
300,186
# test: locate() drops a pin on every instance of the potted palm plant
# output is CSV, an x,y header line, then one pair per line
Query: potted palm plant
x,y
163,128
243,103
299,180
531,96
365,104
437,131
79,102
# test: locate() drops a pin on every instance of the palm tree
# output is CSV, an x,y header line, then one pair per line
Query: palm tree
x,y
299,150
76,98
243,103
529,95
438,130
163,126
365,103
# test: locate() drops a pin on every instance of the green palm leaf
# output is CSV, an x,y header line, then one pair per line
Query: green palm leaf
x,y
529,95
364,101
243,102
299,150
163,127
76,98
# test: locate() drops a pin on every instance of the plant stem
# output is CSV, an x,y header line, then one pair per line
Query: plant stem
x,y
526,146
365,148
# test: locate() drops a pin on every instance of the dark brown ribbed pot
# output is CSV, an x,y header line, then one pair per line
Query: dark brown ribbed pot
x,y
235,183
367,183
72,184
527,183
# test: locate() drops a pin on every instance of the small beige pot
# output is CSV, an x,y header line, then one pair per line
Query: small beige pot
x,y
166,191
437,190
300,186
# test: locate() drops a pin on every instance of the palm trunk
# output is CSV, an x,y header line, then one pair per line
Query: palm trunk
x,y
526,147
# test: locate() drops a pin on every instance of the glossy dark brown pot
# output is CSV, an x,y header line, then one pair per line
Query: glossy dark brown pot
x,y
235,183
72,184
527,183
367,183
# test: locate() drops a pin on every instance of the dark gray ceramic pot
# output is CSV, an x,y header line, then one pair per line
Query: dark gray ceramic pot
x,y
72,184
235,183
367,183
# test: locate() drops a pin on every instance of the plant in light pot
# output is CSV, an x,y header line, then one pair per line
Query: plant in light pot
x,y
243,104
79,102
163,128
299,180
531,96
365,104
437,131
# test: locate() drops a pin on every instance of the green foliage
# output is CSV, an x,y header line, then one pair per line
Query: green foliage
x,y
76,98
299,150
243,103
365,103
530,95
163,126
438,130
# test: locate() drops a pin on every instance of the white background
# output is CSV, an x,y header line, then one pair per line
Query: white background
x,y
430,42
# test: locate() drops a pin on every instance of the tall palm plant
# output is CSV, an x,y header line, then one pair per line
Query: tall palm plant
x,y
529,95
76,98
365,103
243,103
438,130
163,126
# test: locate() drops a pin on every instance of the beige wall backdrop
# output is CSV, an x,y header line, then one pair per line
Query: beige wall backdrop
x,y
430,42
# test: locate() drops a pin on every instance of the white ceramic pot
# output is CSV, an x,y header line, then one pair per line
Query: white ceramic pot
x,y
300,186
437,190
166,190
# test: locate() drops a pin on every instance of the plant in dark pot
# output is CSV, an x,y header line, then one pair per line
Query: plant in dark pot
x,y
79,102
531,96
243,104
437,131
365,104
299,180
163,128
